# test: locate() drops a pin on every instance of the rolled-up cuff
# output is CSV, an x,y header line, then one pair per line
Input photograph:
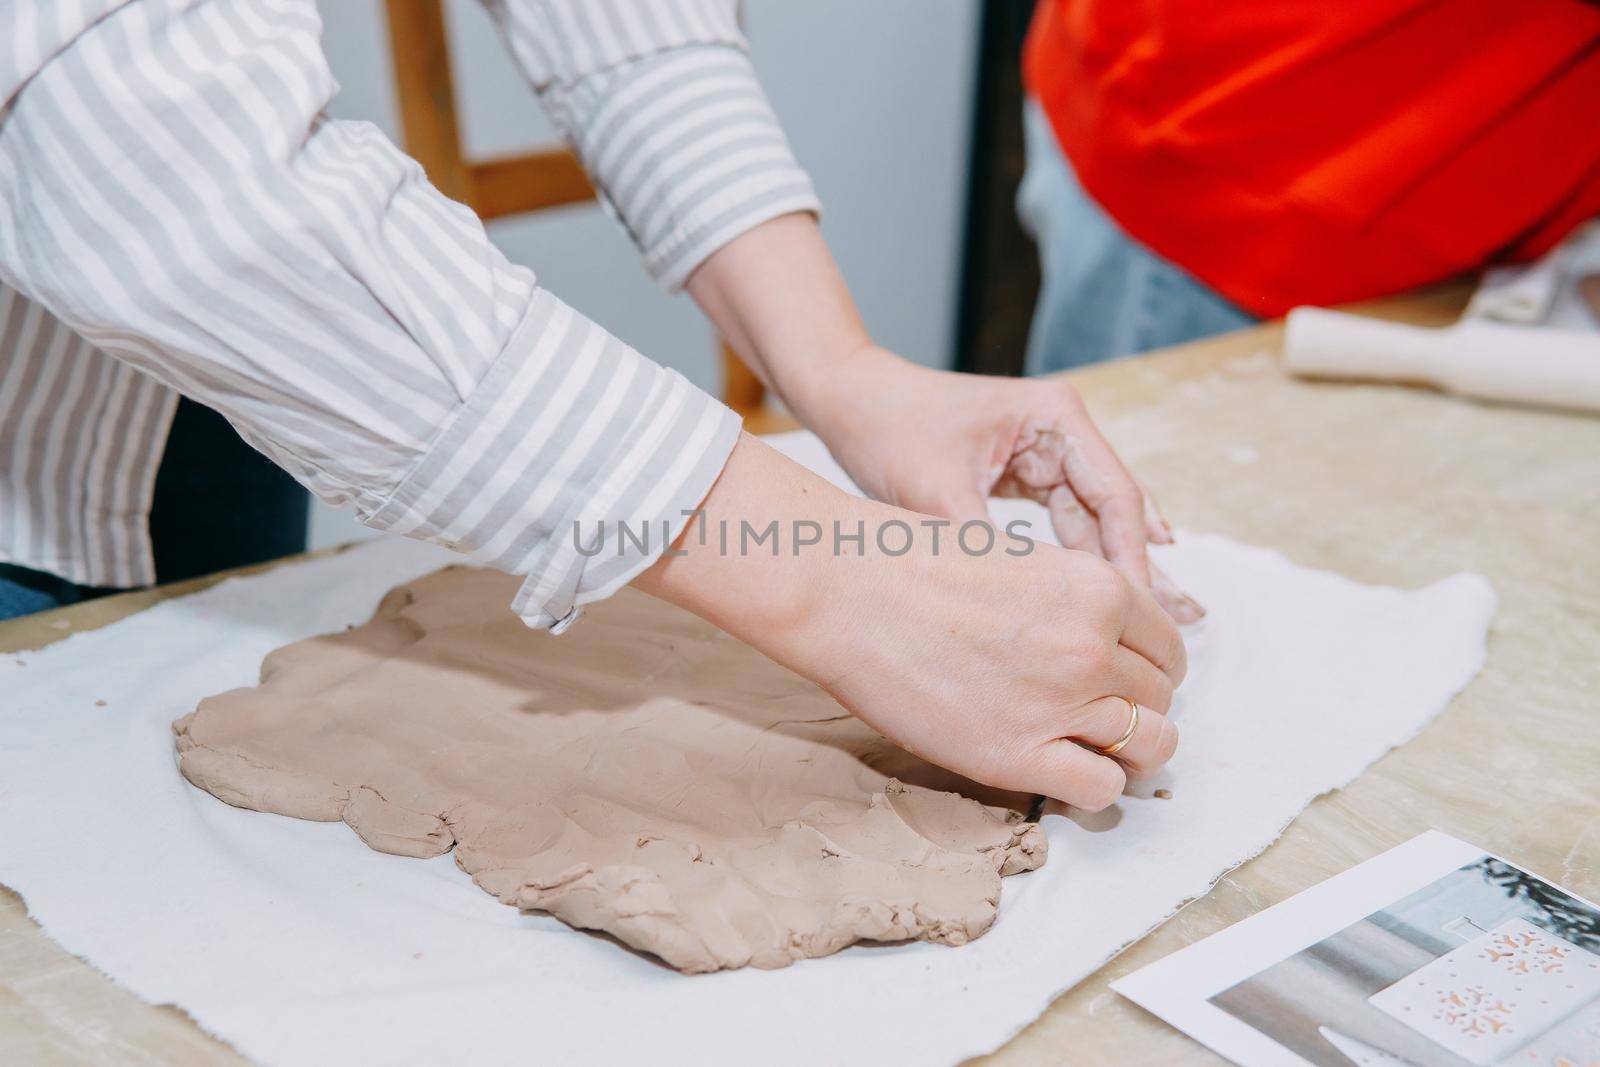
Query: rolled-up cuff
x,y
560,42
610,541
687,152
574,462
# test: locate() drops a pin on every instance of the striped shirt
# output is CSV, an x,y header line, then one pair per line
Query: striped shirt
x,y
178,214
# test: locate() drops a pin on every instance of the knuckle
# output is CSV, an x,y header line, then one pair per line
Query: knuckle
x,y
1180,667
1064,501
1121,486
1161,695
1162,640
1180,659
1174,656
1121,599
1129,497
1103,585
1068,397
1096,659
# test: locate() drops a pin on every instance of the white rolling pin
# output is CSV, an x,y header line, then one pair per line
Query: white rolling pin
x,y
1487,360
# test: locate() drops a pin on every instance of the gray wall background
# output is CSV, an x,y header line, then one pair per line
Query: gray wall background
x,y
876,99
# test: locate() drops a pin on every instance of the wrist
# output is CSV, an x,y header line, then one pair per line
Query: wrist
x,y
834,393
738,564
777,296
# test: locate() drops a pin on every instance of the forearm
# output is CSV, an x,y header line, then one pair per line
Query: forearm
x,y
764,592
301,275
779,298
661,104
673,128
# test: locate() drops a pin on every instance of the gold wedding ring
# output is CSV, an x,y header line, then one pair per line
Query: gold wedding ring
x,y
1127,735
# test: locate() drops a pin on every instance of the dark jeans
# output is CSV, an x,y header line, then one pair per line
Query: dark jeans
x,y
218,504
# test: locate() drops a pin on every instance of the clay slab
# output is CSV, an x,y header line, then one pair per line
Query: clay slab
x,y
644,775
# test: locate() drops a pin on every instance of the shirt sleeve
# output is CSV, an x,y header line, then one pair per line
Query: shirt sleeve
x,y
171,188
660,102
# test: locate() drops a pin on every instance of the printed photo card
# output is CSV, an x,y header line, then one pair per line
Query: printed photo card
x,y
1433,954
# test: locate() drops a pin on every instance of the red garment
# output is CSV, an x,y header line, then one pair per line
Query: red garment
x,y
1319,151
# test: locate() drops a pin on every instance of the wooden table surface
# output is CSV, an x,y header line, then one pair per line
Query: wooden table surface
x,y
1384,484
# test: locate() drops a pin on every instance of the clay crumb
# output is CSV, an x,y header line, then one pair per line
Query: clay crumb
x,y
22,663
99,703
1164,794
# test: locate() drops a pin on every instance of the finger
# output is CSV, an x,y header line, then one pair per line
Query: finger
x,y
1156,526
1036,472
1106,488
1066,771
1106,720
1183,608
1150,631
1139,680
1075,527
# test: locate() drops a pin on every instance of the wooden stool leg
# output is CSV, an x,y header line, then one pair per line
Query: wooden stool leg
x,y
498,187
741,389
743,392
427,95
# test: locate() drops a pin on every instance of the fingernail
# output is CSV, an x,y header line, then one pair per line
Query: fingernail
x,y
1180,605
1189,609
1181,608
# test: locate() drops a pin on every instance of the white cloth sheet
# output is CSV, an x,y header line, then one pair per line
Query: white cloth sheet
x,y
297,944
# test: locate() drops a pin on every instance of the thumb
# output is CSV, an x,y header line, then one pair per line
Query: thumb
x,y
965,506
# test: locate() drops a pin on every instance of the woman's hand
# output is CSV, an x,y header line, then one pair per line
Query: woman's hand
x,y
1006,668
926,440
943,443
